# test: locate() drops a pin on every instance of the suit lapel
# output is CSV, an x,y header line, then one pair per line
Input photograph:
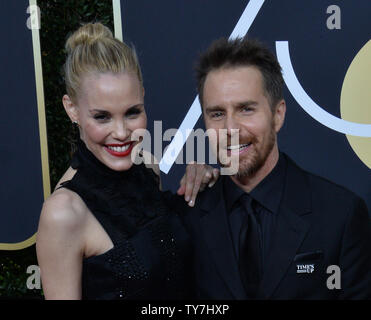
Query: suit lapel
x,y
289,235
218,240
290,231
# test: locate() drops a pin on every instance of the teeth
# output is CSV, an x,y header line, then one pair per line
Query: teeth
x,y
119,149
239,146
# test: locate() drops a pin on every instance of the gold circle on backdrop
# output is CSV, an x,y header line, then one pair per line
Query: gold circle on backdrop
x,y
355,100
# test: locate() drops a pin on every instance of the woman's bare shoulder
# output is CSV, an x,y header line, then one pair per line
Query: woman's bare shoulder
x,y
63,209
60,244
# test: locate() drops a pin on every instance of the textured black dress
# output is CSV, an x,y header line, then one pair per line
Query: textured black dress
x,y
151,257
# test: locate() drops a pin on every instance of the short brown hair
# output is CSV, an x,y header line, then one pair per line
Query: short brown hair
x,y
224,53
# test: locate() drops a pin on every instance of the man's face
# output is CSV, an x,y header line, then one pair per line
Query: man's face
x,y
234,98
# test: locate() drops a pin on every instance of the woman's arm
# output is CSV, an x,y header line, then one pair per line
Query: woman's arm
x,y
195,179
60,246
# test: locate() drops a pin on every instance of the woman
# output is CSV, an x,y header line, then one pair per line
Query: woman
x,y
107,232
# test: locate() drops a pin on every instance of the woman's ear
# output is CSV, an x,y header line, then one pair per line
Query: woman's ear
x,y
279,115
71,108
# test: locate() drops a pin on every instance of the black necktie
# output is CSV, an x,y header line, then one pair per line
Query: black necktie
x,y
250,260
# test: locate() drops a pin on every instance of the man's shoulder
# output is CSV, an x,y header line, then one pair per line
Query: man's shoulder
x,y
323,188
208,198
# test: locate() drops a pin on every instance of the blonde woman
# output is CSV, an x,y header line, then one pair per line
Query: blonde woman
x,y
107,231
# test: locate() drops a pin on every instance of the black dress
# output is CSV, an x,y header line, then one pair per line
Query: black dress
x,y
151,257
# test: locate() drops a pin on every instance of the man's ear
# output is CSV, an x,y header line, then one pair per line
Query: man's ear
x,y
279,115
71,108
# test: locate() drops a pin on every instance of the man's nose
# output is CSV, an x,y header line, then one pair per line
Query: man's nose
x,y
231,125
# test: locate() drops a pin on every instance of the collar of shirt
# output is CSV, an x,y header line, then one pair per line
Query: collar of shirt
x,y
267,193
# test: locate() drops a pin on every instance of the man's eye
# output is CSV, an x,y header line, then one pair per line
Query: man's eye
x,y
246,109
216,114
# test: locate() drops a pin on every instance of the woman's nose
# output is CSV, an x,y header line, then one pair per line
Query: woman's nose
x,y
120,131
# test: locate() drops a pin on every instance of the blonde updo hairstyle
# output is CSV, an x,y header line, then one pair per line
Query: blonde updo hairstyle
x,y
93,49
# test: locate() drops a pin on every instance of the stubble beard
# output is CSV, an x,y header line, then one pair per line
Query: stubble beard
x,y
250,166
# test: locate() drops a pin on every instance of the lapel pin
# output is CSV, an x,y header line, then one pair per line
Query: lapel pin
x,y
304,268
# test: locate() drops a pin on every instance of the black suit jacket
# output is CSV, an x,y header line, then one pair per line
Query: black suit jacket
x,y
319,224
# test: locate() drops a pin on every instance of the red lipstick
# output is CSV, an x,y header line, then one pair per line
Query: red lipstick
x,y
120,153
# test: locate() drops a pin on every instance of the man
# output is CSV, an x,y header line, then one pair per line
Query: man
x,y
272,230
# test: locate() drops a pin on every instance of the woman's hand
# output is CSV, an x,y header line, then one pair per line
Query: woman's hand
x,y
195,179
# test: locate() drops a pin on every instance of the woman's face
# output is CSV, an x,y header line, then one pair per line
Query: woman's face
x,y
108,109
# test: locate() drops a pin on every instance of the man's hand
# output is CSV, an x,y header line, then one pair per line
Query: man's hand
x,y
195,179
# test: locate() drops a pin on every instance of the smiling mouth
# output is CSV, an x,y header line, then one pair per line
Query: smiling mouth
x,y
238,147
120,150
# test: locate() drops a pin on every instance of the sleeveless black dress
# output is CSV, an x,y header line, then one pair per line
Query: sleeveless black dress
x,y
152,253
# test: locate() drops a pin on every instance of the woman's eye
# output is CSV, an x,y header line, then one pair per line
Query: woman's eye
x,y
133,112
100,117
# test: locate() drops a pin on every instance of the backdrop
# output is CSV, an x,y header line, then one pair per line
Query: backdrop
x,y
23,147
323,46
